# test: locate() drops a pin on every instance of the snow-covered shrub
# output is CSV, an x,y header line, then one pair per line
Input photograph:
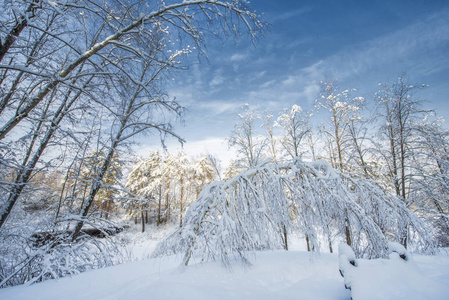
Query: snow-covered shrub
x,y
26,258
255,209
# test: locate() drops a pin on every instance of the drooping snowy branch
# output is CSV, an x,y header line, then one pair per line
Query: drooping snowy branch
x,y
248,213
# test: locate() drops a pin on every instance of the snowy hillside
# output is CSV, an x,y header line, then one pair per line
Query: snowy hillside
x,y
274,275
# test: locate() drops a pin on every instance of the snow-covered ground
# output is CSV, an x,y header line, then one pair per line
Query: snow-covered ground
x,y
274,275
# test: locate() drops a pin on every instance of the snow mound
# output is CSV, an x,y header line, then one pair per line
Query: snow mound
x,y
395,278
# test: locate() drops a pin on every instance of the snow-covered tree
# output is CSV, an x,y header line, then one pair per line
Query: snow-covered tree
x,y
245,139
400,113
167,184
430,190
231,170
105,56
272,139
81,76
144,182
341,108
204,173
181,182
246,213
361,159
295,126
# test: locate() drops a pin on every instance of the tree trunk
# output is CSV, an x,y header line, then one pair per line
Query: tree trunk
x,y
167,204
158,222
182,194
404,239
97,182
21,23
285,237
391,137
348,233
308,242
28,166
143,218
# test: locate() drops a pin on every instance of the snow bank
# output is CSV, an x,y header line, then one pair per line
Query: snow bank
x,y
395,278
274,275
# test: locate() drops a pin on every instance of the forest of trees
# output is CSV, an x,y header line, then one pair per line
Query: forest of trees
x,y
336,173
81,81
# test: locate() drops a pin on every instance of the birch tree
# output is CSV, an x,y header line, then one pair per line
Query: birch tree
x,y
400,112
295,126
272,140
340,107
245,139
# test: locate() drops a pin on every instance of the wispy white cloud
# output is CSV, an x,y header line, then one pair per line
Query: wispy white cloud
x,y
217,80
291,14
219,107
237,57
215,95
406,47
268,84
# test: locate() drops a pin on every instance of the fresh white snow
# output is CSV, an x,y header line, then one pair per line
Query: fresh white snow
x,y
274,275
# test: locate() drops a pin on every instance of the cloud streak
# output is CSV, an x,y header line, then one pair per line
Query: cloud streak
x,y
403,47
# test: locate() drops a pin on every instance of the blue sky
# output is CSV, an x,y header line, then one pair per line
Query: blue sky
x,y
359,43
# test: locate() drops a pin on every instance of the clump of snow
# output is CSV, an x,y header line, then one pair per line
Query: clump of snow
x,y
395,278
347,263
397,249
344,249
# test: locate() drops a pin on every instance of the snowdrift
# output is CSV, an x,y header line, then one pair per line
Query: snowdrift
x,y
397,277
274,275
